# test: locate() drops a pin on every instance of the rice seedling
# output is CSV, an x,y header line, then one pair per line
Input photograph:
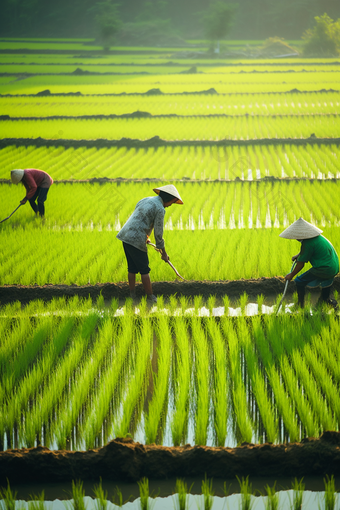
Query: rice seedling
x,y
157,404
7,497
78,493
298,494
211,304
247,501
208,493
272,502
101,501
260,300
243,302
202,381
330,496
181,498
37,502
144,493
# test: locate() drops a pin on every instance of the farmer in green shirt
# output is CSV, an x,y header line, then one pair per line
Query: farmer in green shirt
x,y
317,250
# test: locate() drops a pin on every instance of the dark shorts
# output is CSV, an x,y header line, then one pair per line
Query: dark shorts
x,y
138,260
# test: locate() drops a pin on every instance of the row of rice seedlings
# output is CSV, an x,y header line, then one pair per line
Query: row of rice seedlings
x,y
283,403
303,407
251,253
14,334
174,128
208,206
24,359
174,83
221,382
202,372
131,405
264,104
171,163
155,414
41,411
79,400
310,361
181,382
243,424
181,497
28,386
92,425
258,384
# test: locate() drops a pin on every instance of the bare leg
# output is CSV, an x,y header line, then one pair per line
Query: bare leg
x,y
132,282
147,284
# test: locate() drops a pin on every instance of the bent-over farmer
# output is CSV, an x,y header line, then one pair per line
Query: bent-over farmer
x,y
37,184
317,250
148,214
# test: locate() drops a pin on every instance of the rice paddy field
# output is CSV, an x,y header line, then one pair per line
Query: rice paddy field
x,y
251,145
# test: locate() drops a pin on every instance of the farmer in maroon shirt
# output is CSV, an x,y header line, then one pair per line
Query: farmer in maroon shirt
x,y
37,184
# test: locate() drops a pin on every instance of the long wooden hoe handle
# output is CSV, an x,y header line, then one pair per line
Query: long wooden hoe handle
x,y
168,261
11,213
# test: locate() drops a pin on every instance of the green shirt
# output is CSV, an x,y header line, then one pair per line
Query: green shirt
x,y
321,254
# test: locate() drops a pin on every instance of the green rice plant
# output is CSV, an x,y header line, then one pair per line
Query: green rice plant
x,y
259,388
182,367
101,496
208,493
172,304
247,502
272,502
144,493
220,394
298,494
117,498
8,497
237,387
330,495
226,304
114,305
198,299
243,302
78,494
137,384
211,304
110,380
160,381
181,498
38,502
202,381
260,301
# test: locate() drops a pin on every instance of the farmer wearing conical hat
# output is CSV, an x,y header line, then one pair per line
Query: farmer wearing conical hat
x,y
37,184
148,214
317,250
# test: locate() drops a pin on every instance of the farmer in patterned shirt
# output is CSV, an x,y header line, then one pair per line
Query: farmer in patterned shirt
x,y
148,214
317,250
37,184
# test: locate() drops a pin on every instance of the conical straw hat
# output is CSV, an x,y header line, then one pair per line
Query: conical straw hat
x,y
169,188
300,229
16,176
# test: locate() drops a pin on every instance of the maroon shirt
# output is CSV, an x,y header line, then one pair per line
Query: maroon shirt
x,y
34,179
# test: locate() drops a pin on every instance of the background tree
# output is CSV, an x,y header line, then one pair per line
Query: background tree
x,y
324,38
218,21
107,21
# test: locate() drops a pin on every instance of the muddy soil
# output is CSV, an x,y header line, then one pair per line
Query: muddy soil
x,y
156,141
125,460
234,289
269,287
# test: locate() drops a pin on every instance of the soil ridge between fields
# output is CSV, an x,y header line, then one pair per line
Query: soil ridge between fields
x,y
123,459
233,288
156,141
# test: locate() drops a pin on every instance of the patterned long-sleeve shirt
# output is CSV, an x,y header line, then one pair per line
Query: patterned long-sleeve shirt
x,y
148,214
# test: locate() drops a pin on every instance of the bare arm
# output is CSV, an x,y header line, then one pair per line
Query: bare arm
x,y
296,270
